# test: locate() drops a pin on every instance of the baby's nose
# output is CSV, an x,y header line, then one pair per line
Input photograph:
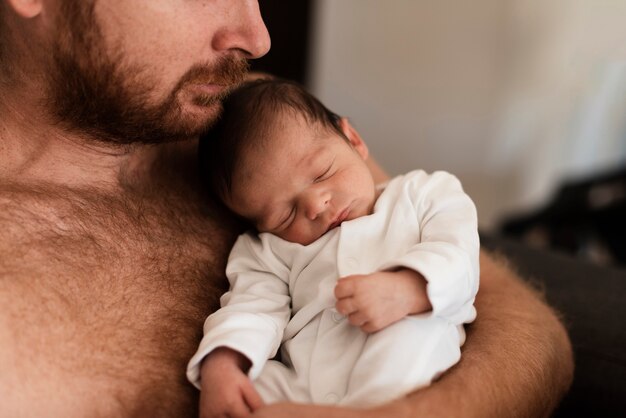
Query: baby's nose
x,y
316,205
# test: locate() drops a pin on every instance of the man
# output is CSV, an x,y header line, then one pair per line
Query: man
x,y
111,256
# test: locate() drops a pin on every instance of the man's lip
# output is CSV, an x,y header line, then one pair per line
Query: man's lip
x,y
340,218
209,88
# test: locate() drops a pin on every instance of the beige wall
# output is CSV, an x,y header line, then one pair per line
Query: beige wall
x,y
510,95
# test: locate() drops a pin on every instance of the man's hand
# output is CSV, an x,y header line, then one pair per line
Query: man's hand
x,y
226,389
374,301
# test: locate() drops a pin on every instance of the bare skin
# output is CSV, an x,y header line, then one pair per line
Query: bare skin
x,y
104,293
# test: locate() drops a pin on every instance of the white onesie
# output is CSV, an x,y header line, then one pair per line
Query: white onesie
x,y
281,295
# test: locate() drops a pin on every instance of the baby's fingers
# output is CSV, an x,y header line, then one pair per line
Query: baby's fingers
x,y
343,289
346,286
251,397
225,405
370,328
238,409
346,306
358,319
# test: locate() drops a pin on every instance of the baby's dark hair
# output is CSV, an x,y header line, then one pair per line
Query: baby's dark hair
x,y
248,117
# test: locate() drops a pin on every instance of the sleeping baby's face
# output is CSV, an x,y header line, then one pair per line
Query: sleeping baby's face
x,y
304,181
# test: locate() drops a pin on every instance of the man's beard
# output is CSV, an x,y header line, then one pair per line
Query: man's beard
x,y
94,94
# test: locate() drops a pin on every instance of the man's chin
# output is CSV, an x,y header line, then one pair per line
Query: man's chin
x,y
197,118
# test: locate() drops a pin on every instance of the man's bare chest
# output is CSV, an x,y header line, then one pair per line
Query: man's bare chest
x,y
115,290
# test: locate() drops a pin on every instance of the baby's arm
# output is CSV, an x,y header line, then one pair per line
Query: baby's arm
x,y
375,301
446,253
439,272
244,333
226,388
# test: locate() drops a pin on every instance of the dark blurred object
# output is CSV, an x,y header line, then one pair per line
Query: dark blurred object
x,y
590,299
288,23
585,218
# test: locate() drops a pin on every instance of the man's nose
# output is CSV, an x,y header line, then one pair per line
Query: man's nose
x,y
315,204
243,30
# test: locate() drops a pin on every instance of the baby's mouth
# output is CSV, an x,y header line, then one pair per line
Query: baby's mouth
x,y
343,215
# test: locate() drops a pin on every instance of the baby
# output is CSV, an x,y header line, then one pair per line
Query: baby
x,y
365,291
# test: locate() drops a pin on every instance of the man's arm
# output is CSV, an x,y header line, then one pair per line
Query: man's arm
x,y
517,361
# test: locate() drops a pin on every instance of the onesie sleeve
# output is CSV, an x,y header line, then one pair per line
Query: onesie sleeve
x,y
448,249
254,311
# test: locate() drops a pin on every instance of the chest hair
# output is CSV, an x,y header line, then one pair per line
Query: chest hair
x,y
115,287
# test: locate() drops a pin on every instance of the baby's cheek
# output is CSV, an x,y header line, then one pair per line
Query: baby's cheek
x,y
306,234
292,234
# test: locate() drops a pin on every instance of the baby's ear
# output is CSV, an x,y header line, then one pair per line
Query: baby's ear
x,y
354,138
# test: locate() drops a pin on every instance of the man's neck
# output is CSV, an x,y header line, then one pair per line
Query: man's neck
x,y
33,150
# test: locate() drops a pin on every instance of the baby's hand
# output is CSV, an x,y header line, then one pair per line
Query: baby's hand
x,y
374,301
226,389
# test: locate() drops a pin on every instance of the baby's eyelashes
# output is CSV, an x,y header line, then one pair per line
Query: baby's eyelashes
x,y
284,222
325,174
322,176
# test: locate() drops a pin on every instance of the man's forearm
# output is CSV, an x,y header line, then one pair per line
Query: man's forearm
x,y
517,361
